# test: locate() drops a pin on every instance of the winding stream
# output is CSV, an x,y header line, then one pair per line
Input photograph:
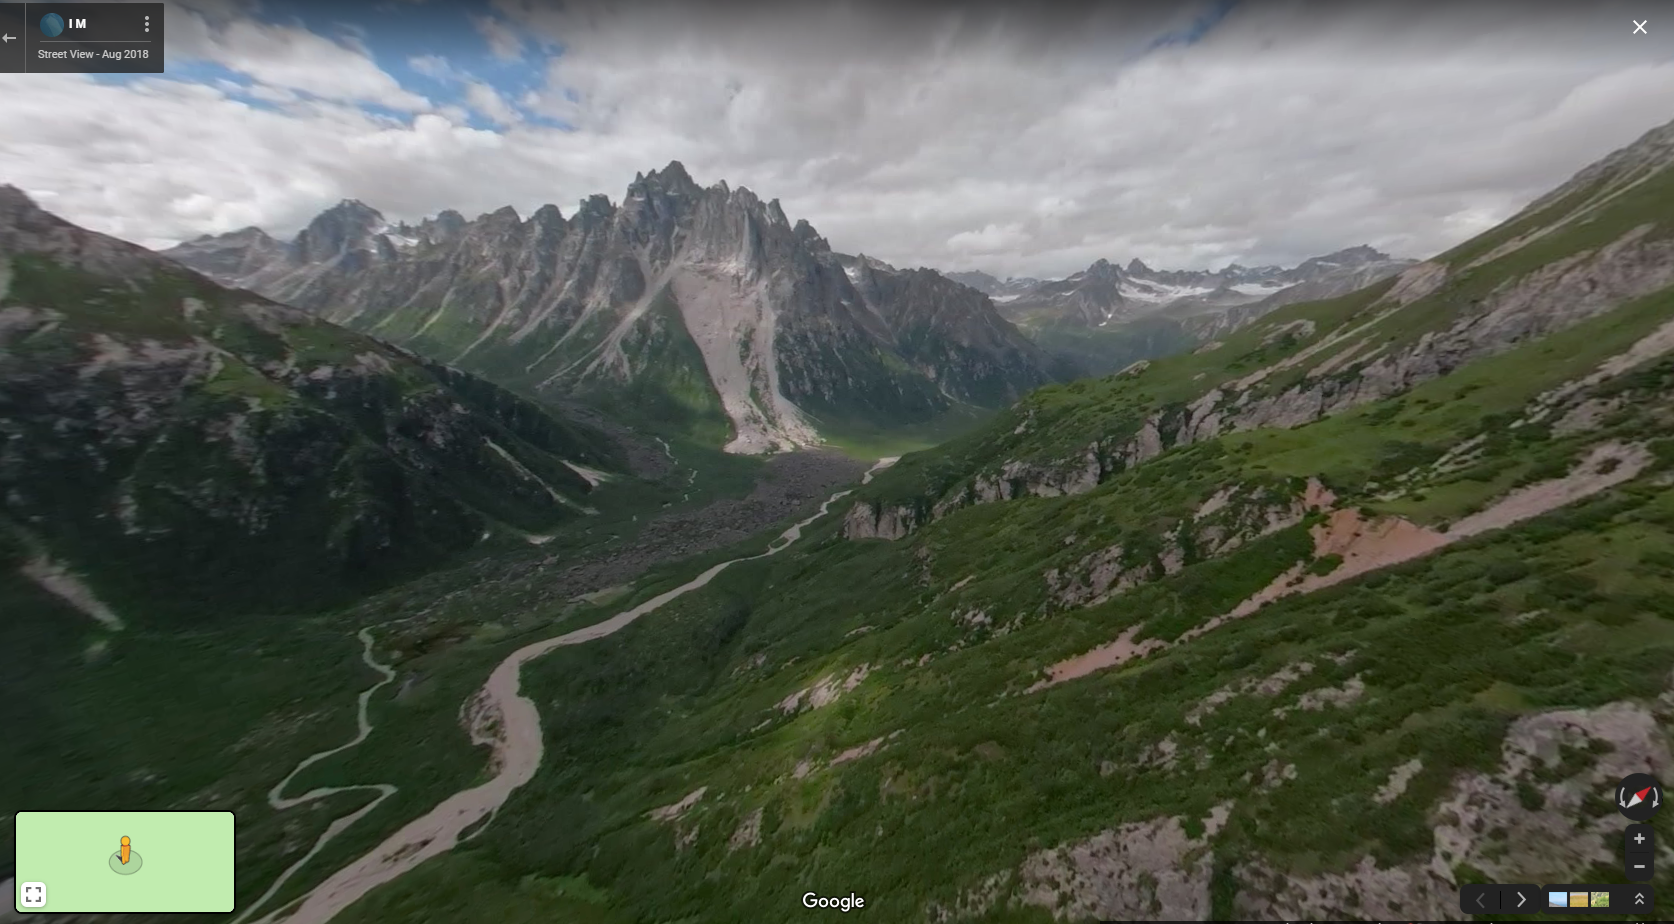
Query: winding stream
x,y
276,799
517,755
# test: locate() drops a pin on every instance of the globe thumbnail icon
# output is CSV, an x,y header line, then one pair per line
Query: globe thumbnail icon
x,y
52,25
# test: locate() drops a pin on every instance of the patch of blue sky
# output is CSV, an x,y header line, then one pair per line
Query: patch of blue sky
x,y
1200,24
396,32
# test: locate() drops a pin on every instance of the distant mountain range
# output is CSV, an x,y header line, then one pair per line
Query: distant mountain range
x,y
999,289
707,310
1105,294
701,307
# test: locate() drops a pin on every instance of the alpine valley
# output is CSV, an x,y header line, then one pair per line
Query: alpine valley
x,y
1362,593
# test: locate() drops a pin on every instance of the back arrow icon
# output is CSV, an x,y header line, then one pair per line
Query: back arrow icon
x,y
6,38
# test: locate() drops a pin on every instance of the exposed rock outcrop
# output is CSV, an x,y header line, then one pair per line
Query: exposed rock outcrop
x,y
866,520
824,692
1488,823
1224,522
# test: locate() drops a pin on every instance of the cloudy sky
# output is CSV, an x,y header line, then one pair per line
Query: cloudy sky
x,y
1015,138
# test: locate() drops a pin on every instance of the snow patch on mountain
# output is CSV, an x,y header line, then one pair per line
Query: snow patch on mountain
x,y
1259,288
1159,292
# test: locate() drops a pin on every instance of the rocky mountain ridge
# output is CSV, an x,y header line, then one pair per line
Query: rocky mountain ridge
x,y
176,442
705,306
1519,282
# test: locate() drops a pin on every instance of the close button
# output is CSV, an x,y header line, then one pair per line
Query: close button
x,y
1479,899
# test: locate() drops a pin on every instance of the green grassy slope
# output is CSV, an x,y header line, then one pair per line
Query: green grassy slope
x,y
1056,424
1571,610
1103,351
932,643
188,448
932,768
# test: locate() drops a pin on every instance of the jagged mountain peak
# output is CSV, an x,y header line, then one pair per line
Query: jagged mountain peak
x,y
1358,255
746,197
350,204
675,174
446,226
351,210
247,233
809,238
344,228
677,285
976,279
1137,267
872,263
593,210
670,184
1362,252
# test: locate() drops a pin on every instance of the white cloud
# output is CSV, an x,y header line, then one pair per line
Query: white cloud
x,y
992,239
433,66
503,38
479,96
283,57
490,104
957,136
